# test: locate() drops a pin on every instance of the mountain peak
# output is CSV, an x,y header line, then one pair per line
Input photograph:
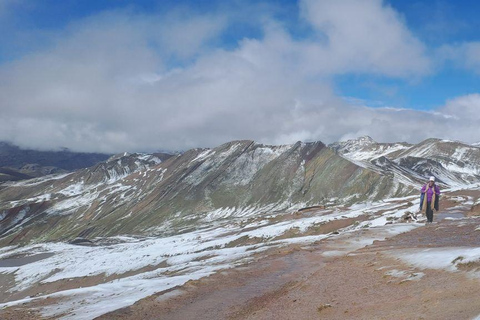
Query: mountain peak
x,y
365,139
353,144
360,141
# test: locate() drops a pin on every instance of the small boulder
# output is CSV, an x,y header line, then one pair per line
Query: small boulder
x,y
81,242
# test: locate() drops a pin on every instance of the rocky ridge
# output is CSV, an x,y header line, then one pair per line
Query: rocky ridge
x,y
140,194
159,194
453,163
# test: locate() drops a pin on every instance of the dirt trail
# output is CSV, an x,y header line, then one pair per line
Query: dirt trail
x,y
305,282
346,276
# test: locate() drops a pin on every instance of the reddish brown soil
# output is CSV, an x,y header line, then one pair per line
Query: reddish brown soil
x,y
301,282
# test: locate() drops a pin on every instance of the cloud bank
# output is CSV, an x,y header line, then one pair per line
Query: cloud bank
x,y
123,81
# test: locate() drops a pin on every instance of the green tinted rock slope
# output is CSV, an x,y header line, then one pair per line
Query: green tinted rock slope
x,y
132,195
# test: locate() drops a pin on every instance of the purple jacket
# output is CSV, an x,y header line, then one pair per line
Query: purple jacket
x,y
430,191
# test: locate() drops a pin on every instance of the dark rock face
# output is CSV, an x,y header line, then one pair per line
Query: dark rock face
x,y
82,242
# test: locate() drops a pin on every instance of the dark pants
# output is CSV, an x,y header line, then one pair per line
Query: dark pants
x,y
429,212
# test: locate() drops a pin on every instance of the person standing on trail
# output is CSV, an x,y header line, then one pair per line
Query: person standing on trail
x,y
432,192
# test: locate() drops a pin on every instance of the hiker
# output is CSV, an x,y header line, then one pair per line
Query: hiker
x,y
433,195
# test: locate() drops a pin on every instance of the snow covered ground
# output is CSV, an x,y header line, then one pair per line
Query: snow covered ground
x,y
172,261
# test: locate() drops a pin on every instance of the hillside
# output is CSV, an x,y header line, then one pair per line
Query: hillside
x,y
141,194
160,195
342,262
453,163
137,227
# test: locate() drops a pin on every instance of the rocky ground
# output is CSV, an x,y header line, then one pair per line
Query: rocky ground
x,y
367,274
306,283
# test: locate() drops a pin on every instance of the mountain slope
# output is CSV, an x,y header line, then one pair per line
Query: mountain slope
x,y
140,194
365,148
453,163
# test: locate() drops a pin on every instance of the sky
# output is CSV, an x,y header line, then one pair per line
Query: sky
x,y
150,75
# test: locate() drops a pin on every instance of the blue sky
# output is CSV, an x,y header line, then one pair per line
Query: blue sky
x,y
147,75
435,23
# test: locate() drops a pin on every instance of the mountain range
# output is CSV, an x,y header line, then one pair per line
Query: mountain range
x,y
453,163
20,164
161,194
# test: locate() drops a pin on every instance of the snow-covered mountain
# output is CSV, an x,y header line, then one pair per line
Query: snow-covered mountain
x,y
104,237
163,194
453,163
140,194
365,148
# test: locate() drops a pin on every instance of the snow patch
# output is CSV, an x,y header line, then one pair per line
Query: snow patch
x,y
440,258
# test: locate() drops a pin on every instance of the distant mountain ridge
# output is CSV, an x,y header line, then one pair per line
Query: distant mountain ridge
x,y
20,164
13,156
453,163
365,148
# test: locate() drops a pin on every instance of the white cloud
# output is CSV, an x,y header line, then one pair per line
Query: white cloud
x,y
106,85
465,108
457,120
366,36
81,93
465,55
183,34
